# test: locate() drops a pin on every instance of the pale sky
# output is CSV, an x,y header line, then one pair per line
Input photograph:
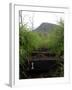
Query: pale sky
x,y
34,19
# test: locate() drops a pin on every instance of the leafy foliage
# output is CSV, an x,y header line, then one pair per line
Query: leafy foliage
x,y
28,41
56,39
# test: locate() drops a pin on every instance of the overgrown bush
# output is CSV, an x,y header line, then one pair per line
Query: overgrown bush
x,y
56,39
28,41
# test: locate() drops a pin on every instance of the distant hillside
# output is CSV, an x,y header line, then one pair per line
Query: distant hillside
x,y
45,27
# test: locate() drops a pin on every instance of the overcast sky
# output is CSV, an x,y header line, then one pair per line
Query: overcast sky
x,y
34,19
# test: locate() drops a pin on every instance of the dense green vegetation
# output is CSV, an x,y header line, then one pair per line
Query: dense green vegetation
x,y
56,39
29,41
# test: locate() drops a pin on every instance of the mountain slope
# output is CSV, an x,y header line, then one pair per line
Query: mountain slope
x,y
45,27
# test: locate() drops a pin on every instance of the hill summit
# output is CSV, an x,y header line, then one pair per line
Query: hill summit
x,y
45,27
